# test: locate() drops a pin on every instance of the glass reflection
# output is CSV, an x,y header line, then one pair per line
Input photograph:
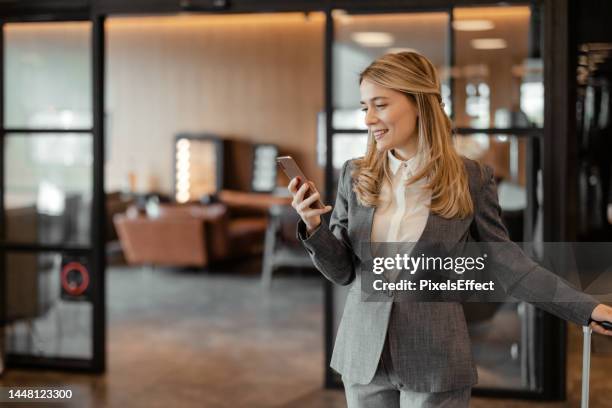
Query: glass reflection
x,y
360,39
497,76
48,188
348,146
506,154
41,319
47,75
502,334
477,104
594,125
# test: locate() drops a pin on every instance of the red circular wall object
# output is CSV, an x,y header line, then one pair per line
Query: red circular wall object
x,y
71,289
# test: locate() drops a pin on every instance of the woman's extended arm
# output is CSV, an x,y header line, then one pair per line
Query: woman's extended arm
x,y
329,247
520,276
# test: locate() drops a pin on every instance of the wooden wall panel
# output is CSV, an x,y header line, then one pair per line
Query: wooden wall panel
x,y
256,78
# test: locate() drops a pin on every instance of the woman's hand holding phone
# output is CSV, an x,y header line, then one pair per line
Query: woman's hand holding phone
x,y
303,198
601,320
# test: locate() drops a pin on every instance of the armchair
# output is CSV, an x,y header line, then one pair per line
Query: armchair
x,y
196,235
176,238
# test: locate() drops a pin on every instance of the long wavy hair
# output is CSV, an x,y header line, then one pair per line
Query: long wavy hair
x,y
442,167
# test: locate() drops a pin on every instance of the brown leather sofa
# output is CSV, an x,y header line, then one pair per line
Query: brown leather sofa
x,y
195,234
116,203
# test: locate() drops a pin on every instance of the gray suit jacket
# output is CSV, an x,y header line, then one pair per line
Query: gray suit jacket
x,y
429,342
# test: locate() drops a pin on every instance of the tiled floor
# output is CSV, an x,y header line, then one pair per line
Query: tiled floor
x,y
182,339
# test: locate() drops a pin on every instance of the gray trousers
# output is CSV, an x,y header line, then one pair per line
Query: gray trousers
x,y
386,391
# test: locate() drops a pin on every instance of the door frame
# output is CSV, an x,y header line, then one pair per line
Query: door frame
x,y
95,251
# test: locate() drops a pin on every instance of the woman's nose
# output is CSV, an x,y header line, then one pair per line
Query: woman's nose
x,y
370,117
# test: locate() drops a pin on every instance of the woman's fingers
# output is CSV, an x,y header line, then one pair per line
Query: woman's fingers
x,y
317,211
308,201
292,187
299,195
601,313
597,328
301,204
313,187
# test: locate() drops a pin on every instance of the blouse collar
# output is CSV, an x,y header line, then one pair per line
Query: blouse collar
x,y
395,163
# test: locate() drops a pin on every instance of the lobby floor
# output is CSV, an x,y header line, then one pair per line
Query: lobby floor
x,y
192,339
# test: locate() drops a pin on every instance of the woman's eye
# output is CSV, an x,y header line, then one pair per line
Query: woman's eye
x,y
377,107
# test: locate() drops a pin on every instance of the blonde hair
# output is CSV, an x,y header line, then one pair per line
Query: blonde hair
x,y
415,76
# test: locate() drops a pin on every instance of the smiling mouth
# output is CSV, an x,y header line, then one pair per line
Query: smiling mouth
x,y
378,134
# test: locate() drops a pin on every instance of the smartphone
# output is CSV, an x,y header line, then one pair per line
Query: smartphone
x,y
291,169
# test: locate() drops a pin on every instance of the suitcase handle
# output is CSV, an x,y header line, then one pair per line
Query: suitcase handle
x,y
586,365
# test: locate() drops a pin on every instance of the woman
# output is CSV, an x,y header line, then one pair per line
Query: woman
x,y
410,186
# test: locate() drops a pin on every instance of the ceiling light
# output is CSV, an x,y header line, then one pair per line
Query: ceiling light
x,y
373,39
342,16
473,25
488,43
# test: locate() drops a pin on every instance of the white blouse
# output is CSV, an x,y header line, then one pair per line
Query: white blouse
x,y
403,210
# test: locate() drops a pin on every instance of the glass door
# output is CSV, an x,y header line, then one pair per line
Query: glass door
x,y
489,63
51,254
358,39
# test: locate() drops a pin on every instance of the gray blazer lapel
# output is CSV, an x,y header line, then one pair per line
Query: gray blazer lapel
x,y
448,231
364,231
433,224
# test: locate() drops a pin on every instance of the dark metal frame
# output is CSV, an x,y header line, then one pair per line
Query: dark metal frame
x,y
96,248
328,289
108,7
2,215
99,205
559,162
